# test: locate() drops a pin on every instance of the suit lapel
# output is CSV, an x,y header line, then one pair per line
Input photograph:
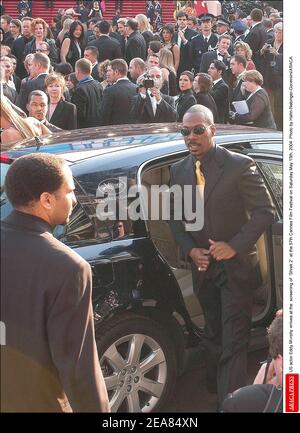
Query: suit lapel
x,y
213,172
57,112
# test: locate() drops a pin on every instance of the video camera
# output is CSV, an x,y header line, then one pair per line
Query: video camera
x,y
148,82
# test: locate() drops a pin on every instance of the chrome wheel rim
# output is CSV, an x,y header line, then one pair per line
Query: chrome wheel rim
x,y
135,373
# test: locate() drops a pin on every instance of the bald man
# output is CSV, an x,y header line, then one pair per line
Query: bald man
x,y
237,211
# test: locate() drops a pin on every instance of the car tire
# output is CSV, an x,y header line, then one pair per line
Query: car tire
x,y
138,362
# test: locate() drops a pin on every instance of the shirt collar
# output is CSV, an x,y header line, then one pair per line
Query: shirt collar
x,y
216,81
122,78
86,79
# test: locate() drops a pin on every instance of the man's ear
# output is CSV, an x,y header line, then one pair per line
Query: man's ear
x,y
46,200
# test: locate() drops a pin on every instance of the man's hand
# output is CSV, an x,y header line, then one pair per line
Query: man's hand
x,y
221,250
183,38
200,257
156,93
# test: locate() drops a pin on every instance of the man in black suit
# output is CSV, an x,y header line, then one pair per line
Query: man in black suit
x,y
135,45
91,53
116,104
19,44
39,70
5,24
220,90
50,361
150,105
221,53
237,209
108,48
257,37
87,96
203,42
120,35
182,38
238,67
37,107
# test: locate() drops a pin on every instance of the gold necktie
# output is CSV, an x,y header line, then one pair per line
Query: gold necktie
x,y
200,179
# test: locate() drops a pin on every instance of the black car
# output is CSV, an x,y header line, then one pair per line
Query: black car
x,y
146,314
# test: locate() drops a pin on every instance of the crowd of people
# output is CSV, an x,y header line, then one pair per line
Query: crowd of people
x,y
94,72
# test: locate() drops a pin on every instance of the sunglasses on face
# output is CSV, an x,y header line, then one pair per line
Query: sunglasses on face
x,y
197,130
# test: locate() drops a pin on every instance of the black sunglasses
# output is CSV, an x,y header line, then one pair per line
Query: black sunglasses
x,y
197,130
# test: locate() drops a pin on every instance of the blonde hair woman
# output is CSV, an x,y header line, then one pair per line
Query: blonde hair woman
x,y
166,64
61,113
243,49
15,127
144,28
66,27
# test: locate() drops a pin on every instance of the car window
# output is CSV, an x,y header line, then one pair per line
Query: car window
x,y
272,172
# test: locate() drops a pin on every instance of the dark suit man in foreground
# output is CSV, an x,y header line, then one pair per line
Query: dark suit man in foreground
x,y
220,90
50,361
237,211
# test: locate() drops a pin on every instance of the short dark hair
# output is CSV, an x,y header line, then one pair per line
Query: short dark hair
x,y
103,27
31,175
133,24
189,74
256,14
240,59
275,338
268,23
93,49
17,23
119,65
219,65
64,68
181,14
36,93
155,46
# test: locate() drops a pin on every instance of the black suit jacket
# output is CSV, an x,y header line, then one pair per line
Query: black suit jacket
x,y
205,98
65,115
185,62
50,361
120,38
220,94
95,73
18,50
27,87
185,101
237,94
237,210
260,113
88,99
256,38
135,47
53,55
116,104
108,48
142,111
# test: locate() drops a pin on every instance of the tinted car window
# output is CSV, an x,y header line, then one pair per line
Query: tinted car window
x,y
272,172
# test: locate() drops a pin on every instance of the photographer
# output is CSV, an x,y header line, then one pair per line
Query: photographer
x,y
150,105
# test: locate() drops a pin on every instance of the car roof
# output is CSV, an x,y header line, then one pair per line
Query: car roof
x,y
80,144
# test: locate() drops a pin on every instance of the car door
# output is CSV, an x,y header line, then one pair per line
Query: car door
x,y
270,166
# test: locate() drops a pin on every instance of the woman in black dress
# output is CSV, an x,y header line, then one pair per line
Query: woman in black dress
x,y
186,97
202,85
73,46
